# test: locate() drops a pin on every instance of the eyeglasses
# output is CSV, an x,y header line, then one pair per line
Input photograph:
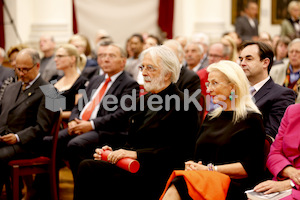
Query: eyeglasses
x,y
60,56
110,56
25,70
213,84
148,68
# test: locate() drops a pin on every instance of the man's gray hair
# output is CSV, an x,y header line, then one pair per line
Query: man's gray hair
x,y
163,56
200,46
122,51
297,40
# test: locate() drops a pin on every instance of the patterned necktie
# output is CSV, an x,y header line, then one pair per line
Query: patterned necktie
x,y
89,110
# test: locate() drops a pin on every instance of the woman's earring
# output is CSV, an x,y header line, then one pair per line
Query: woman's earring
x,y
232,94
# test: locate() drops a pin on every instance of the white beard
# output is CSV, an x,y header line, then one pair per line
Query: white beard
x,y
156,84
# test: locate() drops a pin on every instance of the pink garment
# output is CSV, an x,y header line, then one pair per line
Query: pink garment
x,y
285,149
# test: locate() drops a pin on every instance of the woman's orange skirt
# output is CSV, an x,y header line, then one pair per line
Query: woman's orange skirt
x,y
206,185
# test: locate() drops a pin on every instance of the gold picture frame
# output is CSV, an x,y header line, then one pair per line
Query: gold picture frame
x,y
279,10
238,7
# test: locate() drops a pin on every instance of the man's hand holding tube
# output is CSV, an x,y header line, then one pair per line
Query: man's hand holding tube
x,y
98,152
114,156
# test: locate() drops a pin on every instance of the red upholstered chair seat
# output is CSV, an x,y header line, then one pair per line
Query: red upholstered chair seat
x,y
29,162
37,165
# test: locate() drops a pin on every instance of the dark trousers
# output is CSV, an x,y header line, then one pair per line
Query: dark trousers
x,y
76,148
102,180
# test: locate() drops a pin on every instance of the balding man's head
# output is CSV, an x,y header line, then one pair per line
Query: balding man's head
x,y
218,51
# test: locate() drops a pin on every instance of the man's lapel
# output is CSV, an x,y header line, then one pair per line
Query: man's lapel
x,y
27,93
14,94
265,89
115,85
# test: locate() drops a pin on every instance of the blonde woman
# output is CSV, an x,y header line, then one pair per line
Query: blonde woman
x,y
82,43
231,140
68,60
230,43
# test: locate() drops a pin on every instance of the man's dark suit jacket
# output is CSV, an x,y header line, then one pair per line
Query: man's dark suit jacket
x,y
90,72
244,29
5,73
188,79
110,120
25,114
272,100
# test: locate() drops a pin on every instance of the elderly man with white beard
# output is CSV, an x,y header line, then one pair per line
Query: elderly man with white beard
x,y
161,137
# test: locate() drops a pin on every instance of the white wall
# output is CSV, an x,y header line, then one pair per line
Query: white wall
x,y
36,17
266,18
10,37
118,17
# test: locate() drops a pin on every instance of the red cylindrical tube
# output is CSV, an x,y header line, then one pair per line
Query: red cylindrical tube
x,y
128,164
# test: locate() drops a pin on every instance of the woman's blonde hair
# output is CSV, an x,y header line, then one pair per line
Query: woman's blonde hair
x,y
234,54
72,51
235,75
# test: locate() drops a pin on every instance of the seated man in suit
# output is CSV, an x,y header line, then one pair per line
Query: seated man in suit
x,y
256,59
161,136
91,122
24,119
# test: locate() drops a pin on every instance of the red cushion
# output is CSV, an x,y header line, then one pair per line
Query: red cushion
x,y
27,162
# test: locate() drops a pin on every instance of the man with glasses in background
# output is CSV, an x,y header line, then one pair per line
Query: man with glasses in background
x,y
217,52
